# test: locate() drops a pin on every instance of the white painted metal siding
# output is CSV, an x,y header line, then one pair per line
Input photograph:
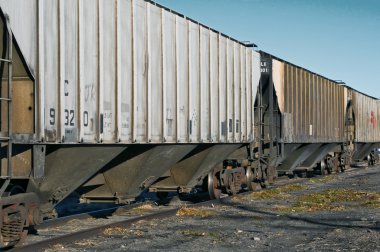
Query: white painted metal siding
x,y
23,20
128,71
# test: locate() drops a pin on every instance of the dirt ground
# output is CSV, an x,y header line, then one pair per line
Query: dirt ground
x,y
339,212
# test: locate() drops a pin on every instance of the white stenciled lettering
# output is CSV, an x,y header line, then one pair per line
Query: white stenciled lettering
x,y
89,93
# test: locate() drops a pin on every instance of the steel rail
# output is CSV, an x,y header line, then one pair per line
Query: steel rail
x,y
85,215
83,234
86,233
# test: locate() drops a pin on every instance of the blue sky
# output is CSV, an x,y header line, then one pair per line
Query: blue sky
x,y
339,39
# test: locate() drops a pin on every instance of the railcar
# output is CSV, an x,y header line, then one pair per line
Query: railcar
x,y
300,127
364,114
307,124
314,123
304,123
112,98
105,97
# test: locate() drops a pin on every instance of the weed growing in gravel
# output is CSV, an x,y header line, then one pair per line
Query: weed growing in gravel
x,y
194,212
292,188
278,193
323,179
270,194
332,200
375,204
198,233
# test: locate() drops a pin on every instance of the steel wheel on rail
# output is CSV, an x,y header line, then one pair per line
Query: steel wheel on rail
x,y
323,168
213,184
15,222
251,184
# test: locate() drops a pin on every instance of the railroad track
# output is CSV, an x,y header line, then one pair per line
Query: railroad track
x,y
96,213
99,230
100,213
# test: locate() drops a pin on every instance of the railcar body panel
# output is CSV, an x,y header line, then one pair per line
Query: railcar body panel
x,y
310,105
121,75
130,71
23,20
307,119
113,97
366,111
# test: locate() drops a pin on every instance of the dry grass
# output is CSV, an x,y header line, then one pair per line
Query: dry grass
x,y
308,207
323,179
256,217
374,204
292,188
270,194
86,243
278,193
116,231
239,198
138,233
120,211
198,233
58,246
194,212
332,200
142,209
76,221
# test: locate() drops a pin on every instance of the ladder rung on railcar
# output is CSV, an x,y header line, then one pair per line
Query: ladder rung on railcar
x,y
6,135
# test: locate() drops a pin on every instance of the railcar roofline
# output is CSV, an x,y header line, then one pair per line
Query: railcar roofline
x,y
248,45
294,65
334,81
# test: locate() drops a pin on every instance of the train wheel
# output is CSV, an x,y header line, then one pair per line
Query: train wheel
x,y
251,184
370,159
13,231
17,212
323,168
342,168
14,227
329,165
213,184
272,174
264,184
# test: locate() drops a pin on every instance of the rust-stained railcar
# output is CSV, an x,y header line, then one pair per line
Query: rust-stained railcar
x,y
314,121
309,104
364,113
